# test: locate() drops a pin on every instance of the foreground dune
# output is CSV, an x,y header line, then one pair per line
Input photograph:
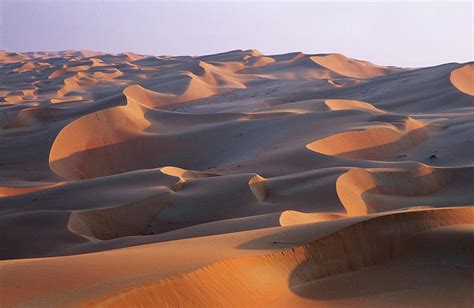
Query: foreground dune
x,y
234,179
262,279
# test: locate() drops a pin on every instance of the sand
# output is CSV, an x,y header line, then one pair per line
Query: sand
x,y
234,179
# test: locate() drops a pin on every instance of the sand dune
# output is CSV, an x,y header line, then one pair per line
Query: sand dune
x,y
374,142
234,179
299,65
124,220
350,67
21,190
262,279
340,104
30,66
362,191
12,57
463,79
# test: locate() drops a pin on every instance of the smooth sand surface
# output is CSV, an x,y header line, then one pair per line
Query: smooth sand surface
x,y
234,179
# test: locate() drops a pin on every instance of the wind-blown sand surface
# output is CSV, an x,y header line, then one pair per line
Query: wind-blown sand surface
x,y
235,179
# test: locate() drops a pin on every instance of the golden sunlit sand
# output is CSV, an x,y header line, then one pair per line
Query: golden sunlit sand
x,y
234,179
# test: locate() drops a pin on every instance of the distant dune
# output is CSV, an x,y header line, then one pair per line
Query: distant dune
x,y
234,179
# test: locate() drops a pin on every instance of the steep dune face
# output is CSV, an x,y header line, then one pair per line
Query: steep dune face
x,y
263,279
234,179
112,141
375,142
69,156
463,79
363,191
120,221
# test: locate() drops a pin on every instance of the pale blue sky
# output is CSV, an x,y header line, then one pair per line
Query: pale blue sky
x,y
402,34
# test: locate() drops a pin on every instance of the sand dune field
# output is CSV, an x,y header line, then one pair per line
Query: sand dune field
x,y
234,179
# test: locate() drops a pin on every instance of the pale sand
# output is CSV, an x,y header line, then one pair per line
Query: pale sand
x,y
235,179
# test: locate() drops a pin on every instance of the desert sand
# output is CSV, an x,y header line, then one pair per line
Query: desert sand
x,y
234,179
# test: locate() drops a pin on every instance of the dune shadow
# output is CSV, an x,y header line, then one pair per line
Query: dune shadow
x,y
110,159
338,261
352,284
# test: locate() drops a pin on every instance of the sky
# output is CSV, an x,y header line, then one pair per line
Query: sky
x,y
408,34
